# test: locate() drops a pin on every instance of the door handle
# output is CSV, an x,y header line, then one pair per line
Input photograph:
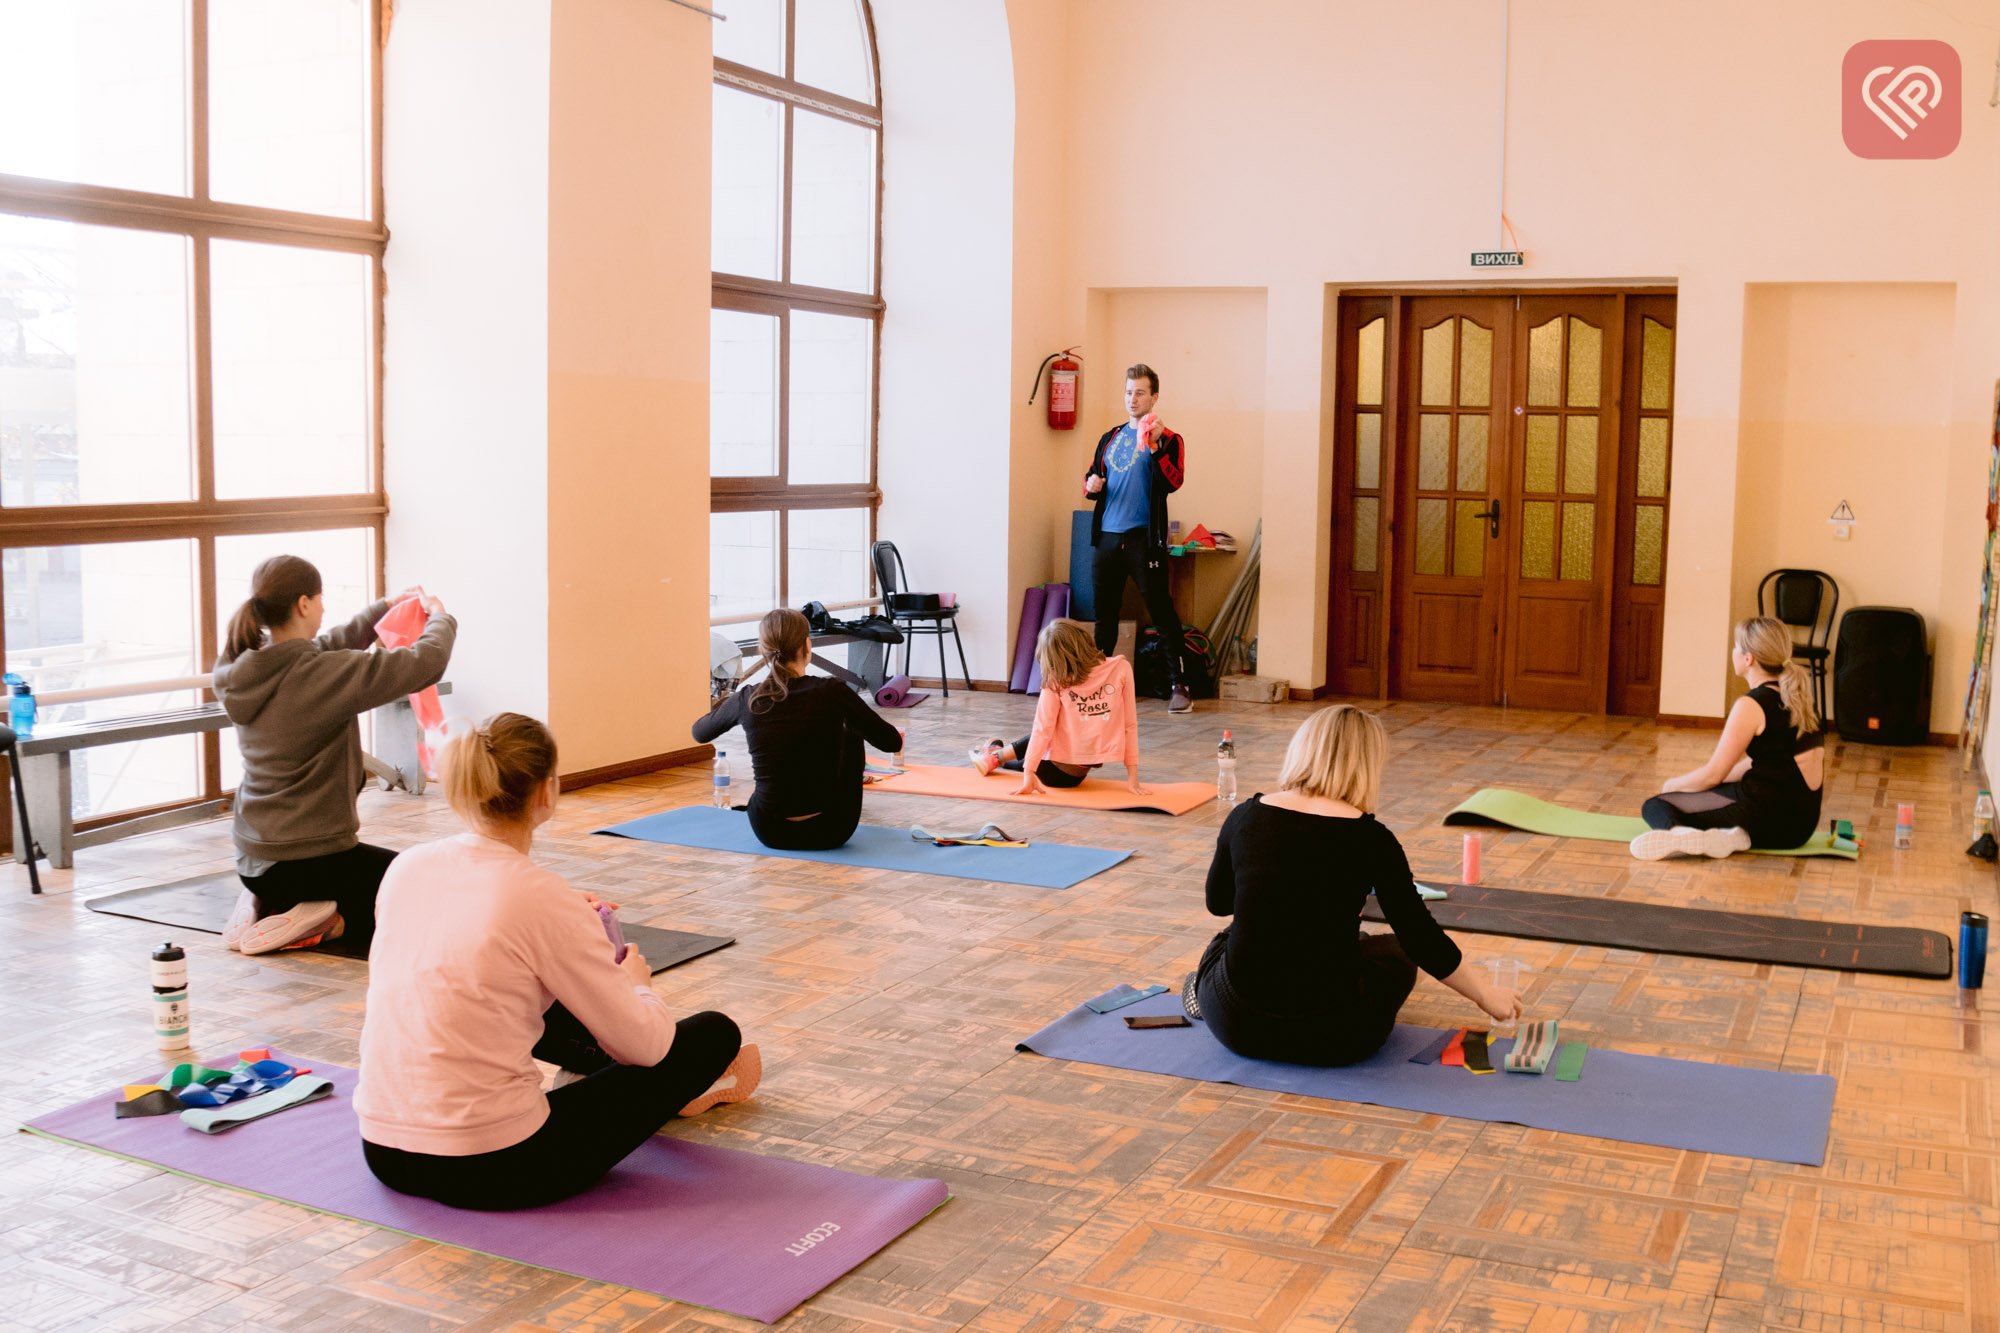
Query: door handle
x,y
1492,516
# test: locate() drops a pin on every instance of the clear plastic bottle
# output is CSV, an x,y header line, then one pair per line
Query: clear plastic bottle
x,y
721,797
1982,815
1225,770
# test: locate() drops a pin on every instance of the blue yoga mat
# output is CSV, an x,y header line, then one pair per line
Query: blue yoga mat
x,y
1044,865
1725,1109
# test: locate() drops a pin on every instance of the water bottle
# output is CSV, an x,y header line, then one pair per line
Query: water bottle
x,y
170,997
20,706
1225,770
722,779
1982,815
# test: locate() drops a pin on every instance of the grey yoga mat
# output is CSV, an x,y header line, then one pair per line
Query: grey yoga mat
x,y
204,903
1730,1109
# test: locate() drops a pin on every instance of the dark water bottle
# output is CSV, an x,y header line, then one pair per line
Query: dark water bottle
x,y
1971,950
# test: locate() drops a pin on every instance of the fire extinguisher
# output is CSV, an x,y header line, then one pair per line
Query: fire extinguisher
x,y
1063,371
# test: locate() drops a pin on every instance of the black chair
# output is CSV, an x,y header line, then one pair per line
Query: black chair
x,y
916,612
1798,598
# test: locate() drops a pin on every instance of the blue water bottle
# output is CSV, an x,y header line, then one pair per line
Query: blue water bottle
x,y
20,705
1971,950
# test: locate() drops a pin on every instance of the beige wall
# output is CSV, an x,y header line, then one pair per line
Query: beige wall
x,y
1314,144
1847,396
628,284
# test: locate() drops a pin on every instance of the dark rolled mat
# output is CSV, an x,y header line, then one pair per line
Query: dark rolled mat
x,y
204,904
1616,923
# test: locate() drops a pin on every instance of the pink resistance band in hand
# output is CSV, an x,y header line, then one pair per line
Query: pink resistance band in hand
x,y
399,629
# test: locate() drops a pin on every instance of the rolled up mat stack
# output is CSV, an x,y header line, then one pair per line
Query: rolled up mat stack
x,y
1024,640
1054,607
896,693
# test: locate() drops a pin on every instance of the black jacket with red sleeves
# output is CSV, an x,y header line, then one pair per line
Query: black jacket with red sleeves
x,y
1169,471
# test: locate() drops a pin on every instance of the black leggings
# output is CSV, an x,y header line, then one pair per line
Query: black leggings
x,y
350,879
593,1125
1725,806
839,810
1048,771
1387,976
1117,557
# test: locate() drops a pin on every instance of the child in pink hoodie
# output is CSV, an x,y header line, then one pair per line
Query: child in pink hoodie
x,y
1087,716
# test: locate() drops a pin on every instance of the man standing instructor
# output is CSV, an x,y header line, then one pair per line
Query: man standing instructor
x,y
1136,466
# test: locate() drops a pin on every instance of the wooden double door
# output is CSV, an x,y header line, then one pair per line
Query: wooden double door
x,y
1500,501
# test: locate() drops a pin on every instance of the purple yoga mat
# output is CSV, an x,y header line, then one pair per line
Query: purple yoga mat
x,y
1054,607
1728,1109
896,693
1024,640
731,1230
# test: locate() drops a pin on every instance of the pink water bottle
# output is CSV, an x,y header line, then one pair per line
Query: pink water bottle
x,y
1468,865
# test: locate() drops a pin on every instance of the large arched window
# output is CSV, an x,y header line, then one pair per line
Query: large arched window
x,y
796,310
191,242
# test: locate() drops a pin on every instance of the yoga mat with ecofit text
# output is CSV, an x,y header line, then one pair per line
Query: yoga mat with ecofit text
x,y
734,1231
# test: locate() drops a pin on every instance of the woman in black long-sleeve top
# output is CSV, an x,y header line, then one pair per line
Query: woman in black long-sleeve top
x,y
1292,977
805,735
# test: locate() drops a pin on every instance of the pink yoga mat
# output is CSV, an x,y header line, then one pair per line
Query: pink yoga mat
x,y
752,1235
1024,640
1054,607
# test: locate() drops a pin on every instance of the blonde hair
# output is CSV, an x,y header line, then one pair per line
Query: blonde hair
x,y
491,771
1337,754
1066,653
1769,643
780,636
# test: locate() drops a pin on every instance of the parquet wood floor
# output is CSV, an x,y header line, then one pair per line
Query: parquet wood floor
x,y
888,1006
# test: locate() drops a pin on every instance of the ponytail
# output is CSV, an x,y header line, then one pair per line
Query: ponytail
x,y
275,588
491,771
1769,644
781,634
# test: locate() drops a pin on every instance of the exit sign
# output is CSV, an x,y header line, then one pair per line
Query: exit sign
x,y
1498,259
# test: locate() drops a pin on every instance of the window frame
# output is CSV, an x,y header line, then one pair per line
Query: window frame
x,y
779,297
203,219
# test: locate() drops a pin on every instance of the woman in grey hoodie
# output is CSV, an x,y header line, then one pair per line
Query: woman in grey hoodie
x,y
294,695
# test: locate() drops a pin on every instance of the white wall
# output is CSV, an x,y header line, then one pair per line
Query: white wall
x,y
947,270
466,357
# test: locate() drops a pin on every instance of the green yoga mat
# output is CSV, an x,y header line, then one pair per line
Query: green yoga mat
x,y
1493,806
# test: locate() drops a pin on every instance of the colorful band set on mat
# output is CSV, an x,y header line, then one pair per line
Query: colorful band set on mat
x,y
1533,1049
212,1100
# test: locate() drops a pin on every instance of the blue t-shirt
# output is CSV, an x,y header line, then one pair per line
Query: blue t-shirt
x,y
1128,482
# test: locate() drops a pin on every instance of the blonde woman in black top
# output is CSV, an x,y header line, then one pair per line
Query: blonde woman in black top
x,y
1761,786
1292,977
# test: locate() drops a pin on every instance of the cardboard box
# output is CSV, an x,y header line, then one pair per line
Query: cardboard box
x,y
1253,689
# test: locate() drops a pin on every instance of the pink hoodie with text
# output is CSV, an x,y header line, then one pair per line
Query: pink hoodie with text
x,y
1093,722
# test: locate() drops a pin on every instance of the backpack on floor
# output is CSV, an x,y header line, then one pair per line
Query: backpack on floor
x,y
1153,678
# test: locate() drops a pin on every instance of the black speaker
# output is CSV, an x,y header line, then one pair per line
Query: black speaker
x,y
1882,677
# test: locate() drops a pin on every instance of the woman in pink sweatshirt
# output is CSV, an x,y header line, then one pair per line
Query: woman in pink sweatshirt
x,y
485,962
1087,716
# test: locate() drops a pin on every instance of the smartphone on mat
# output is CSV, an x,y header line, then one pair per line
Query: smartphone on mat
x,y
1158,1021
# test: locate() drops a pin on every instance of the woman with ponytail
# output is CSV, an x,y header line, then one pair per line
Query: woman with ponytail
x,y
484,963
294,695
1761,787
805,734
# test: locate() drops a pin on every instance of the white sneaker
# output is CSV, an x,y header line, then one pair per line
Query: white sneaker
x,y
240,920
985,758
1681,840
285,928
